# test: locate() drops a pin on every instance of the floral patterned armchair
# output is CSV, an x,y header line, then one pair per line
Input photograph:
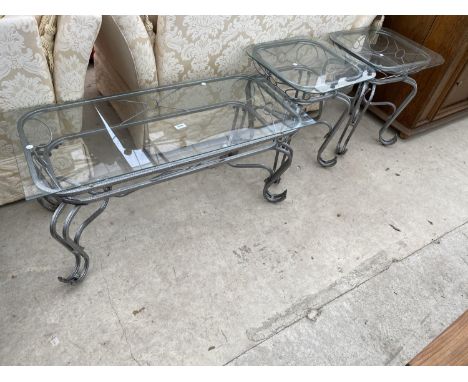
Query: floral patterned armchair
x,y
43,60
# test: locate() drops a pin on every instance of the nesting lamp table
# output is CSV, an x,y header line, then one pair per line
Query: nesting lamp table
x,y
309,72
395,58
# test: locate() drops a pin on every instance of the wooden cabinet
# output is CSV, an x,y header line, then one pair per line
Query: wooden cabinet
x,y
442,91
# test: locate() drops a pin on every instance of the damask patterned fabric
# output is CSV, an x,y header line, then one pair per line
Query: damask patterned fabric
x,y
47,30
25,79
73,45
196,47
140,47
193,47
24,75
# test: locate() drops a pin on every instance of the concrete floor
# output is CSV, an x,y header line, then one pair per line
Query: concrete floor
x,y
201,270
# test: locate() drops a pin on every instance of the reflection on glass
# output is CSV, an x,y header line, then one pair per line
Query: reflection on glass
x,y
308,65
82,143
386,50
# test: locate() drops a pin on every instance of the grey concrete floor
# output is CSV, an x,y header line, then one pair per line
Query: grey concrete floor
x,y
201,270
383,321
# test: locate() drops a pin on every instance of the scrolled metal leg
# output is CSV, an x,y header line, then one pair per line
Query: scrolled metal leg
x,y
283,159
329,162
50,203
286,150
355,115
396,113
73,245
275,162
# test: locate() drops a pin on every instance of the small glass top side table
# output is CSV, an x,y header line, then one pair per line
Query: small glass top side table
x,y
309,72
87,152
395,58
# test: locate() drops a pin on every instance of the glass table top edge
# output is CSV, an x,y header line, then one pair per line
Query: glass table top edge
x,y
154,170
325,46
45,189
433,58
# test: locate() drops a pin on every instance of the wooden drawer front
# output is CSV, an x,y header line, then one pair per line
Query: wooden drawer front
x,y
459,91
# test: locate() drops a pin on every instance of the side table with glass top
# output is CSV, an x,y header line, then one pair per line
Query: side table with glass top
x,y
395,58
87,152
309,72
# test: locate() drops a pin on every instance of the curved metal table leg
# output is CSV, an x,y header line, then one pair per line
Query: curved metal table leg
x,y
286,150
355,115
331,162
396,113
283,159
49,202
73,245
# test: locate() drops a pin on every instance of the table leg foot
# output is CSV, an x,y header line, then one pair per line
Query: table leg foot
x,y
414,88
329,162
274,178
73,244
355,115
385,141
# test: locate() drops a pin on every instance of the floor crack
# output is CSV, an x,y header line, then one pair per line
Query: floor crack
x,y
319,308
114,309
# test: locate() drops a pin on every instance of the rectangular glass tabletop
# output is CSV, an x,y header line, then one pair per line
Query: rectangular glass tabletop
x,y
308,65
385,50
80,144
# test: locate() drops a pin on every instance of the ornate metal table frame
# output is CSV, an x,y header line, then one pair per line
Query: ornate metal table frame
x,y
355,107
363,99
101,191
395,48
303,100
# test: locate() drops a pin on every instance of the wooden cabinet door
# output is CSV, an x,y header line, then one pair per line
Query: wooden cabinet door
x,y
448,37
457,98
438,95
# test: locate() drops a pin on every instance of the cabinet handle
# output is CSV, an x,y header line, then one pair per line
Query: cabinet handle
x,y
458,83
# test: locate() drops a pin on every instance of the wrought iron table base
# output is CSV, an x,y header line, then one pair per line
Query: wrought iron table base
x,y
361,102
332,130
73,245
59,204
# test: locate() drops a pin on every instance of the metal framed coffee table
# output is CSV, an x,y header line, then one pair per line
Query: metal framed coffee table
x,y
87,152
395,58
309,72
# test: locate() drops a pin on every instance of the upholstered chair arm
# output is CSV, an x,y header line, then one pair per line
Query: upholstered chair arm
x,y
124,61
124,55
74,42
25,79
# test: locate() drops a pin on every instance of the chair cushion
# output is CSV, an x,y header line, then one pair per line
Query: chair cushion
x,y
73,45
24,75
